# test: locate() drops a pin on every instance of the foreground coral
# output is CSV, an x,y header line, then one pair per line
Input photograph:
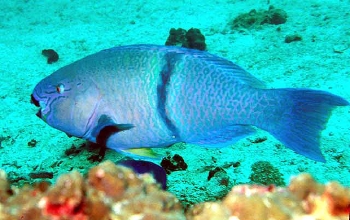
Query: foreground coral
x,y
110,192
303,199
116,193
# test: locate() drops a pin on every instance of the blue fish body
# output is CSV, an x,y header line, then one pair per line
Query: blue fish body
x,y
154,96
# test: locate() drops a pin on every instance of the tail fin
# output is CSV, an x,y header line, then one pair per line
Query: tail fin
x,y
304,117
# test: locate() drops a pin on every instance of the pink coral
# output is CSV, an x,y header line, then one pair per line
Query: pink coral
x,y
109,192
114,192
303,199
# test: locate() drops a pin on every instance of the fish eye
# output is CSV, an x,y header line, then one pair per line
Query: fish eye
x,y
60,88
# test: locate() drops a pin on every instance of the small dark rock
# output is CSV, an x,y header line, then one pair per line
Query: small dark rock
x,y
236,164
258,140
41,175
101,152
231,164
173,163
52,56
95,158
32,143
73,150
292,37
214,171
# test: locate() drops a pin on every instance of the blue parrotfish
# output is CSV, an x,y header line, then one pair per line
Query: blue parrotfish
x,y
148,96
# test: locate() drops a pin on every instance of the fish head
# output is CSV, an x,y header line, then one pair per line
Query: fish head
x,y
67,100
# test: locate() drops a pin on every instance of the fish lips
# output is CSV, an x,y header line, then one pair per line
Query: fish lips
x,y
34,101
37,104
39,114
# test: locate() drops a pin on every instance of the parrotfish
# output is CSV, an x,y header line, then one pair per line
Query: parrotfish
x,y
148,96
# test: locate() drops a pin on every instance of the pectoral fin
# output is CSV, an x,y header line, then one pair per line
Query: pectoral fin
x,y
106,127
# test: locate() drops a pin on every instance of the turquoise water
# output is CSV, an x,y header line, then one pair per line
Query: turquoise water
x,y
79,28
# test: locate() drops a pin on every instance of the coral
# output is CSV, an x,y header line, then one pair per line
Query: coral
x,y
109,192
115,192
303,199
193,38
177,37
264,173
255,19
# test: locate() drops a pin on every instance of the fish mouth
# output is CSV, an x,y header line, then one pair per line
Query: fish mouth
x,y
39,114
37,104
34,101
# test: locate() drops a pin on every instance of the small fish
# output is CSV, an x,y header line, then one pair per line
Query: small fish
x,y
142,167
146,96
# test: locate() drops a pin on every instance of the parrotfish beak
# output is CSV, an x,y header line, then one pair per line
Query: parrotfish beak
x,y
36,103
38,114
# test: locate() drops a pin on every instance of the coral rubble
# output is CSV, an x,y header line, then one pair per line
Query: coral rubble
x,y
303,199
255,19
115,192
109,192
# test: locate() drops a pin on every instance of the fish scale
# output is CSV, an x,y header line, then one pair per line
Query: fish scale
x,y
154,96
140,96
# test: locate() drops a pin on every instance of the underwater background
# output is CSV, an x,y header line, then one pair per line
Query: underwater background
x,y
317,57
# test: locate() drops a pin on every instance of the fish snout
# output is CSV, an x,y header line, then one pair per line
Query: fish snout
x,y
34,101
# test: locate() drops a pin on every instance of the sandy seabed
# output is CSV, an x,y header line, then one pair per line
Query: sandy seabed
x,y
79,28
